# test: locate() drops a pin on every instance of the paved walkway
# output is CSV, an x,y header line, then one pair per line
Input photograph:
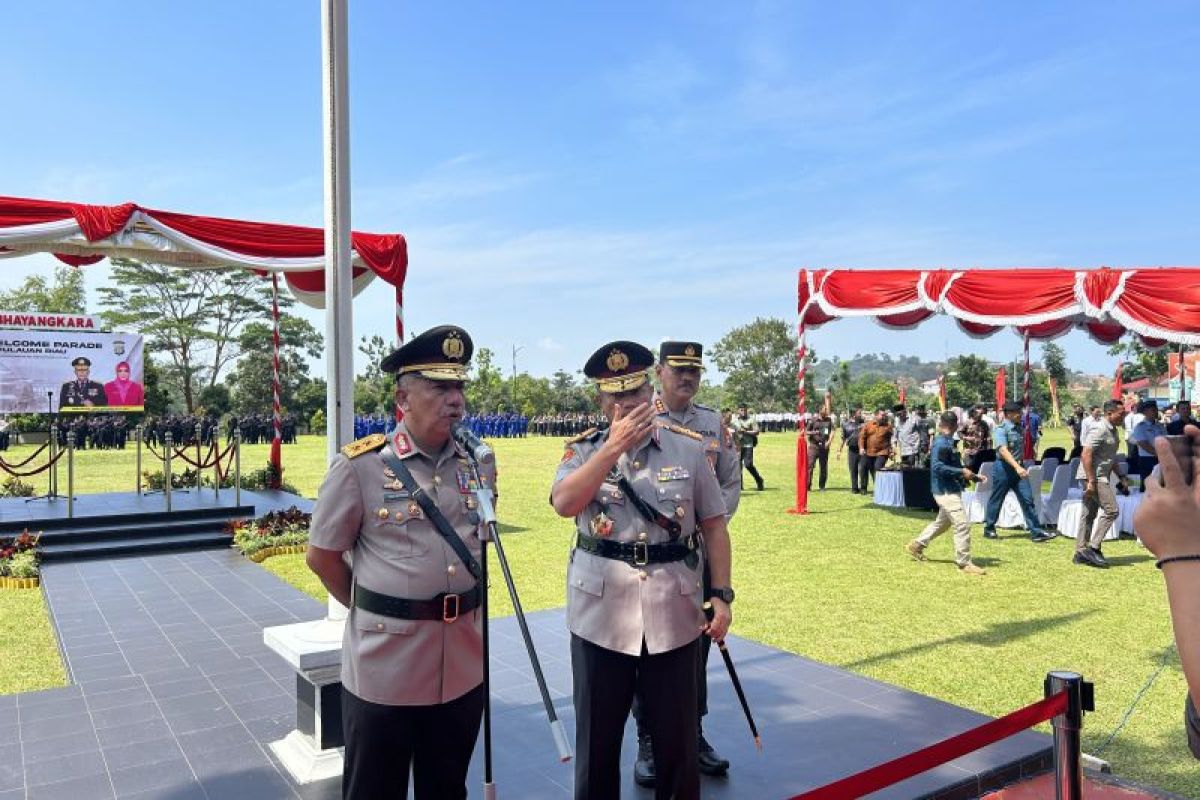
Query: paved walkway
x,y
174,697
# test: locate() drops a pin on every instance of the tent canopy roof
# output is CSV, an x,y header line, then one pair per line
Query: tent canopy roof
x,y
78,234
1159,304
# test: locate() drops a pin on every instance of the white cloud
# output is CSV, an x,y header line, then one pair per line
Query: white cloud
x,y
550,345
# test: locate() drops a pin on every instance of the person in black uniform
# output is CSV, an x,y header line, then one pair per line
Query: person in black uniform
x,y
82,391
819,431
850,429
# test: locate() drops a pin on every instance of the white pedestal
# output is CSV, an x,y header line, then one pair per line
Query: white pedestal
x,y
312,751
305,761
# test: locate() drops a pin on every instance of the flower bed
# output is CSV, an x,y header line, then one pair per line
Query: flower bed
x,y
272,534
19,561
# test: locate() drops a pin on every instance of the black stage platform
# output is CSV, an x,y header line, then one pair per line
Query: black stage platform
x,y
126,523
174,697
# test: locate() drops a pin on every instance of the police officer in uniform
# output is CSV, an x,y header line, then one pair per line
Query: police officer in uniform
x,y
679,367
412,667
819,431
83,391
638,491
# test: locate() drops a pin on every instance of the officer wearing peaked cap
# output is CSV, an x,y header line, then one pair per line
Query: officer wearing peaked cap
x,y
412,664
83,392
680,365
638,492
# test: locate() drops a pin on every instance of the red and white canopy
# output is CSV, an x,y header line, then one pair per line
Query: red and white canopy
x,y
79,234
1159,304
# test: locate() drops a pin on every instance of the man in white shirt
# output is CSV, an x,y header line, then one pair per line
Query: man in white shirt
x,y
1092,419
1132,420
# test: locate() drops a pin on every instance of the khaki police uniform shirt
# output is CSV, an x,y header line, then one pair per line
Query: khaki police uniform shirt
x,y
616,605
397,551
718,447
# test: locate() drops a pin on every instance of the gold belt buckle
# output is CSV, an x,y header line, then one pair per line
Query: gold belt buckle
x,y
641,554
449,616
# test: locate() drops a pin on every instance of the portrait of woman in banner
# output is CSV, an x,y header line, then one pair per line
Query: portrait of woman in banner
x,y
122,391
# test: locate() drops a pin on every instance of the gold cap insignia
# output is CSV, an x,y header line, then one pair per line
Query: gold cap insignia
x,y
452,346
617,360
689,351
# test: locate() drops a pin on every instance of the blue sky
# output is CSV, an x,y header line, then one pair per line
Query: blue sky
x,y
567,174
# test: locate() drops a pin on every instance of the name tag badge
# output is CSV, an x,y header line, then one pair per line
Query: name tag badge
x,y
673,474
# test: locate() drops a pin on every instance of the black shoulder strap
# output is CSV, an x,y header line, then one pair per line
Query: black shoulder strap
x,y
650,513
443,526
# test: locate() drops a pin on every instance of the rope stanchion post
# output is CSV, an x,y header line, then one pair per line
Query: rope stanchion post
x,y
137,435
167,450
237,467
1068,770
199,458
53,491
70,474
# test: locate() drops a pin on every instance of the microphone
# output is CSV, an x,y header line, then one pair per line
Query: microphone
x,y
471,443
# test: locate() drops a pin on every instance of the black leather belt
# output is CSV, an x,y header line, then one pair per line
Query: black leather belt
x,y
636,554
445,607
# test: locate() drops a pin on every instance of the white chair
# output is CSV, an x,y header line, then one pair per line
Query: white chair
x,y
1035,487
1073,469
977,502
1049,466
1059,486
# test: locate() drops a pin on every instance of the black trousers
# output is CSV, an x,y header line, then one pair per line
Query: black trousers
x,y
605,682
384,742
852,459
748,464
818,456
867,467
701,673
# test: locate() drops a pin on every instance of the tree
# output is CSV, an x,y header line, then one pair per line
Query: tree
x,y
969,380
485,391
252,378
568,396
193,317
872,392
1054,360
64,296
373,388
759,362
157,401
1140,361
215,399
311,398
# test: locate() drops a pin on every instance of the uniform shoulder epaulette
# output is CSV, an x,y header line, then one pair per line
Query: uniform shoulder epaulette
x,y
682,431
364,445
705,408
586,436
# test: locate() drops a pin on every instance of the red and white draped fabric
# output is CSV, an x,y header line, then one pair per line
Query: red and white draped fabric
x,y
79,234
399,337
801,506
1158,304
1118,389
1001,390
277,437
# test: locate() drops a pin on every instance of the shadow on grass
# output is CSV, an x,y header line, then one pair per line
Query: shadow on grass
x,y
508,527
997,633
1127,561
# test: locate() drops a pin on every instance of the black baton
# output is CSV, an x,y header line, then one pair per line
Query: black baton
x,y
733,677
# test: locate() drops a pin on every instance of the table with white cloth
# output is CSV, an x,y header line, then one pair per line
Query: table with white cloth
x,y
889,488
1072,510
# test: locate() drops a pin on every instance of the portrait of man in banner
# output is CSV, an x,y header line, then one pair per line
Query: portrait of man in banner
x,y
82,391
123,390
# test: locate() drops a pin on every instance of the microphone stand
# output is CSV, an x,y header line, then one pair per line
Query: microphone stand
x,y
487,513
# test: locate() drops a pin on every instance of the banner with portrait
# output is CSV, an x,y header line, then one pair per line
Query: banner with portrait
x,y
48,371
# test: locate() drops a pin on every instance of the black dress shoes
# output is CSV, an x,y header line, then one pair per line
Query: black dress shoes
x,y
643,768
710,762
1089,557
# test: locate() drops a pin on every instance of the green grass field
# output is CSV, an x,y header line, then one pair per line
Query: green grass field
x,y
836,586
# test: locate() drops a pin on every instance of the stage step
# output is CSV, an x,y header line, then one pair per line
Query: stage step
x,y
139,533
135,546
47,523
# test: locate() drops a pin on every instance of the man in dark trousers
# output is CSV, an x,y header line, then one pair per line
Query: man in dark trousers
x,y
412,655
819,431
1009,475
638,492
745,434
851,427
